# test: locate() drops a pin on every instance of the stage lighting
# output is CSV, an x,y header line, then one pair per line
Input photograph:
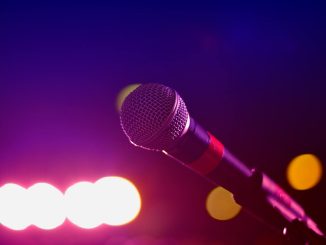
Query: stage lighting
x,y
46,206
124,93
119,200
304,172
221,205
111,200
82,207
14,207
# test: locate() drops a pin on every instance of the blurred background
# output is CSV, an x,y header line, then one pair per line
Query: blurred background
x,y
253,74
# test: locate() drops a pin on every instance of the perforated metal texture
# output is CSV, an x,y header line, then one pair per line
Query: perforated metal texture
x,y
153,116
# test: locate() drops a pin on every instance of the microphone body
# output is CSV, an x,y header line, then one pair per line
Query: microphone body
x,y
155,117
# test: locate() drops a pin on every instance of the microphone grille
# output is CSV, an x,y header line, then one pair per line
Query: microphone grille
x,y
153,116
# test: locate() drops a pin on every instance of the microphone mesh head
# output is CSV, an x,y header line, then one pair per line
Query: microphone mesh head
x,y
153,116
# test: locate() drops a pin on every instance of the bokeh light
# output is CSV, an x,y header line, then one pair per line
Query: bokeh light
x,y
124,93
14,213
111,200
304,172
82,206
119,202
46,206
221,205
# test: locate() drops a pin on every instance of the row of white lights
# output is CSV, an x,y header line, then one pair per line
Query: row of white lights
x,y
110,200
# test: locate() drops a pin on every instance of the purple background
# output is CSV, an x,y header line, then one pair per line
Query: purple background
x,y
253,74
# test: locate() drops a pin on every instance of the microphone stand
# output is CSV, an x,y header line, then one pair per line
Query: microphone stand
x,y
266,200
298,233
277,215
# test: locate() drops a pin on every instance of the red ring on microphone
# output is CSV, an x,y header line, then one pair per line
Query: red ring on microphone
x,y
211,157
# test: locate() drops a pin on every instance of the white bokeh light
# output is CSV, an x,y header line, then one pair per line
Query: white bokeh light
x,y
14,208
111,200
119,202
81,203
46,206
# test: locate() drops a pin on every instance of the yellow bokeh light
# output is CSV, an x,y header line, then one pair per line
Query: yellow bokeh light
x,y
124,93
221,205
304,172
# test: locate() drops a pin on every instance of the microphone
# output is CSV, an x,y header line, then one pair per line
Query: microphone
x,y
155,117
